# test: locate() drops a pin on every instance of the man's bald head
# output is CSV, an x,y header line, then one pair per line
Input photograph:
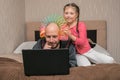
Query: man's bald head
x,y
52,27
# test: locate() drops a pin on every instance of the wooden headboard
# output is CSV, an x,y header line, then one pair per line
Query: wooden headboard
x,y
99,25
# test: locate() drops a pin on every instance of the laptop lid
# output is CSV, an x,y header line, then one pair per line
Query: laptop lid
x,y
46,62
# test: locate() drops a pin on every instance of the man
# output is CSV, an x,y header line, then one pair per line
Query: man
x,y
51,41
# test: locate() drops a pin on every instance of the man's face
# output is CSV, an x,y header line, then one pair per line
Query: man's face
x,y
52,37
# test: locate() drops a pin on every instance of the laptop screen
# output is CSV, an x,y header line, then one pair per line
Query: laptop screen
x,y
46,61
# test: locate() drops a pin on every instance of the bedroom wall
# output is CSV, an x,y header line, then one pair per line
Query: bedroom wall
x,y
12,21
109,10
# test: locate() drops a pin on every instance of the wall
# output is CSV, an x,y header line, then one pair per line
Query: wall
x,y
108,10
12,21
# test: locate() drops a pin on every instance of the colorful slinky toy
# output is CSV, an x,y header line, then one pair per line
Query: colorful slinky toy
x,y
59,20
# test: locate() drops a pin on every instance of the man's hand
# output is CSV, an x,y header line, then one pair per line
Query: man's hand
x,y
47,46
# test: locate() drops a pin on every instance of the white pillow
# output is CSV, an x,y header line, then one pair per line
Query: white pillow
x,y
101,49
24,45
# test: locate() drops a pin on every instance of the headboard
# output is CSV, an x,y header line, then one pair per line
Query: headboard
x,y
96,29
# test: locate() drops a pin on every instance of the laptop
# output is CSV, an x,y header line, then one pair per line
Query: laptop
x,y
46,62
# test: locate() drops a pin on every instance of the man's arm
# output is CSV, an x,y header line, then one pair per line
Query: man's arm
x,y
37,46
72,56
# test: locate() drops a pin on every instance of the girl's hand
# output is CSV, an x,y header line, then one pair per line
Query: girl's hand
x,y
67,31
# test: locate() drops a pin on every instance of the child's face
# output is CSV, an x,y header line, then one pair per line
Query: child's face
x,y
70,14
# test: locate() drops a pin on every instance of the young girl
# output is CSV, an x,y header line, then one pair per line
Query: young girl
x,y
76,31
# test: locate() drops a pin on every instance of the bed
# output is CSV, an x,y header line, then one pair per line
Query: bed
x,y
11,65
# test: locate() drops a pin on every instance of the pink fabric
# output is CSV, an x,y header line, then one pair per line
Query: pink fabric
x,y
82,45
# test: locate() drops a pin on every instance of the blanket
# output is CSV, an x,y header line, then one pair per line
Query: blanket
x,y
11,69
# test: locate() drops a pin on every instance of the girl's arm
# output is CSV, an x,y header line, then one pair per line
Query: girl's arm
x,y
78,40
